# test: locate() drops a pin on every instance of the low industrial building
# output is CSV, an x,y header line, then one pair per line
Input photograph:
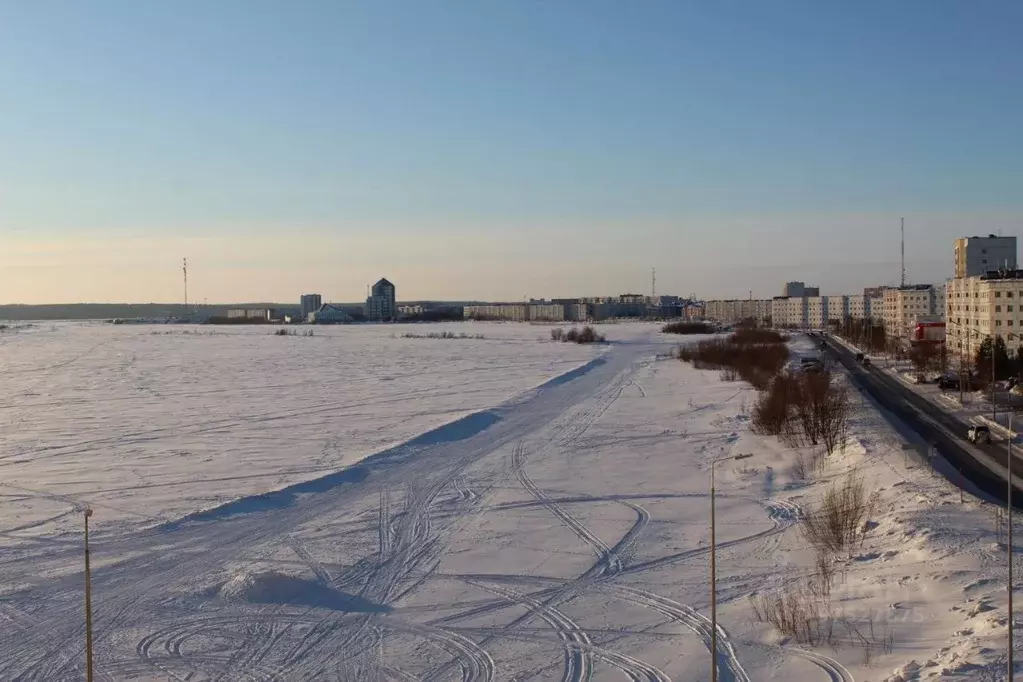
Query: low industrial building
x,y
330,314
265,314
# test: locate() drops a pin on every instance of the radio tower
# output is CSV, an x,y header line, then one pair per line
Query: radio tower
x,y
184,270
902,232
653,284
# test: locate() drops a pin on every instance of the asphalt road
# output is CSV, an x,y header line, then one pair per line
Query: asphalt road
x,y
983,465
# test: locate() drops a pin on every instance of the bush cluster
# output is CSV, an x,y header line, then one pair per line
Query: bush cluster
x,y
754,355
688,328
587,335
443,335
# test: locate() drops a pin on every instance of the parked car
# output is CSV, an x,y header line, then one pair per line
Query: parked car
x,y
947,382
978,434
866,362
859,357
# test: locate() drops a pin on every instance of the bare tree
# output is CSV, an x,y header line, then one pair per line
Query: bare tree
x,y
821,410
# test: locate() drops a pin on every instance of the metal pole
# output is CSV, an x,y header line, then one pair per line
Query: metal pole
x,y
713,585
88,603
994,407
1008,504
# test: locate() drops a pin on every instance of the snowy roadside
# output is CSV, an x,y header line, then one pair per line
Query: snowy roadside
x,y
923,595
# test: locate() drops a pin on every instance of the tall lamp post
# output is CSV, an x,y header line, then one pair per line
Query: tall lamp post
x,y
88,603
714,573
1008,544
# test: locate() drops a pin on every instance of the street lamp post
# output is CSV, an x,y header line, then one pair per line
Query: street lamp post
x,y
713,572
1008,544
88,603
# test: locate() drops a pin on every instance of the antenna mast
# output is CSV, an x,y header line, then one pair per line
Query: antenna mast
x,y
653,284
902,231
184,270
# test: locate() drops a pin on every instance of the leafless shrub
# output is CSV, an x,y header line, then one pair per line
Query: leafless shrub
x,y
821,409
771,413
796,613
873,636
557,334
839,522
820,584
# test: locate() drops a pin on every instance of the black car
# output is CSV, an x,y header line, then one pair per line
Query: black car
x,y
947,382
859,357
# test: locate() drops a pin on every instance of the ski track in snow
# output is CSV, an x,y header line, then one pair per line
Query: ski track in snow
x,y
166,589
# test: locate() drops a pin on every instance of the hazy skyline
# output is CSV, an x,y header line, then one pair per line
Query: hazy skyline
x,y
499,150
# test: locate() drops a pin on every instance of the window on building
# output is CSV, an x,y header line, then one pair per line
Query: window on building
x,y
998,323
1008,294
998,309
998,294
1008,308
1008,323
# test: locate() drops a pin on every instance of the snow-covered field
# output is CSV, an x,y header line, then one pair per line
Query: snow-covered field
x,y
501,509
149,423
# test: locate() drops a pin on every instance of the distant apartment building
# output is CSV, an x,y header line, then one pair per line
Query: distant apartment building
x,y
983,306
976,256
576,312
735,310
903,307
380,305
790,312
799,289
512,312
310,303
410,310
547,312
864,307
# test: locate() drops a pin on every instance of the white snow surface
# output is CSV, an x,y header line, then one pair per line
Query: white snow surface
x,y
354,506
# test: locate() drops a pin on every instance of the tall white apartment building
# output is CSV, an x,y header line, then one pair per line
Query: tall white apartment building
x,y
979,307
976,256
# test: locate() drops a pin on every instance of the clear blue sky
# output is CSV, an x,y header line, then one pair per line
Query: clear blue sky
x,y
499,148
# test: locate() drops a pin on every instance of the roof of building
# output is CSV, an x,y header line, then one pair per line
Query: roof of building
x,y
383,280
1002,274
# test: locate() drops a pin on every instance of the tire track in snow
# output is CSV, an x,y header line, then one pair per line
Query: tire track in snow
x,y
577,641
835,671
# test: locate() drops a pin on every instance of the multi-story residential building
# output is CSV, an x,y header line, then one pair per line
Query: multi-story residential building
x,y
576,311
410,309
905,306
976,256
513,312
789,312
863,307
380,305
816,312
838,309
735,310
547,312
988,305
310,303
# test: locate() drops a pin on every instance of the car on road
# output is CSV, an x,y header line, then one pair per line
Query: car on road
x,y
866,362
859,358
978,434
